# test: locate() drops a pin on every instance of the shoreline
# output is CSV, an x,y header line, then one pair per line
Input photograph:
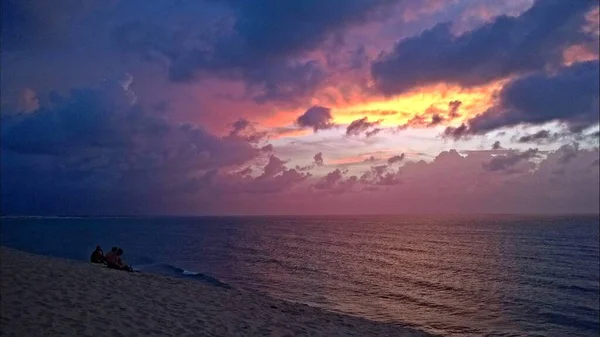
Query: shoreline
x,y
54,296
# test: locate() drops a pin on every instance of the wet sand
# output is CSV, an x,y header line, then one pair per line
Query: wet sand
x,y
46,296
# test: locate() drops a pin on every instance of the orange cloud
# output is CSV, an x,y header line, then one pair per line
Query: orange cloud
x,y
288,132
394,111
579,53
474,101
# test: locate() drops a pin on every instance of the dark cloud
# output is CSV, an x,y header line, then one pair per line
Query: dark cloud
x,y
496,145
379,176
96,151
266,28
329,180
436,119
267,148
396,159
317,118
422,121
276,184
35,24
535,137
260,42
457,132
567,153
334,182
570,95
318,159
245,130
501,48
506,162
239,126
453,107
362,126
273,167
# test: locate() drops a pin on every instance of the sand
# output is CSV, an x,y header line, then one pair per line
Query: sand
x,y
46,296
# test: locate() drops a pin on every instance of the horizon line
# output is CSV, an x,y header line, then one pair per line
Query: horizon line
x,y
80,216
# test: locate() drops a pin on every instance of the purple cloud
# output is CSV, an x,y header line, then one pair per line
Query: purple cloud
x,y
396,159
362,126
526,100
504,47
317,118
505,162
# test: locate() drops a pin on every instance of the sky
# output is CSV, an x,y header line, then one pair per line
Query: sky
x,y
203,107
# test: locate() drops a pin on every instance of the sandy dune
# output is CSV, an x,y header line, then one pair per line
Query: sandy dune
x,y
44,296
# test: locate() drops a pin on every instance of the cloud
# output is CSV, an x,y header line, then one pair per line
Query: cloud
x,y
243,129
32,24
569,95
170,147
422,121
455,183
508,161
318,159
535,137
95,150
433,116
373,132
267,148
335,183
453,107
457,132
505,47
379,176
264,43
496,145
317,162
362,126
396,159
238,126
25,101
317,118
370,159
567,153
273,167
276,177
329,180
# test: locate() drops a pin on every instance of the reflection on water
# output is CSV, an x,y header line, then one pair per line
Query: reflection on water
x,y
456,275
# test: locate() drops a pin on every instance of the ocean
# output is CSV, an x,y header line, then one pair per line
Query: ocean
x,y
505,275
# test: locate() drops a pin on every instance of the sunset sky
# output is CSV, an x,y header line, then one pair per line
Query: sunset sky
x,y
299,107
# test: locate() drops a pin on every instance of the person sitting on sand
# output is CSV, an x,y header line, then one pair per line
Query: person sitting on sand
x,y
111,257
97,255
120,263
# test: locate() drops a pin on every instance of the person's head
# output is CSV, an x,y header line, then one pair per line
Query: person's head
x,y
120,252
113,249
98,248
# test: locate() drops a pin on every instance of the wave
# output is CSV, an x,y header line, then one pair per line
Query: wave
x,y
174,271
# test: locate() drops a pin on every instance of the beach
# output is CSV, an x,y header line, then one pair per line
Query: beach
x,y
47,296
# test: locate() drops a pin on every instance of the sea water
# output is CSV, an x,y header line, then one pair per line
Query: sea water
x,y
451,275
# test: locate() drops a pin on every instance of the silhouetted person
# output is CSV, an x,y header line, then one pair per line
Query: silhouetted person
x,y
97,255
120,262
111,257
